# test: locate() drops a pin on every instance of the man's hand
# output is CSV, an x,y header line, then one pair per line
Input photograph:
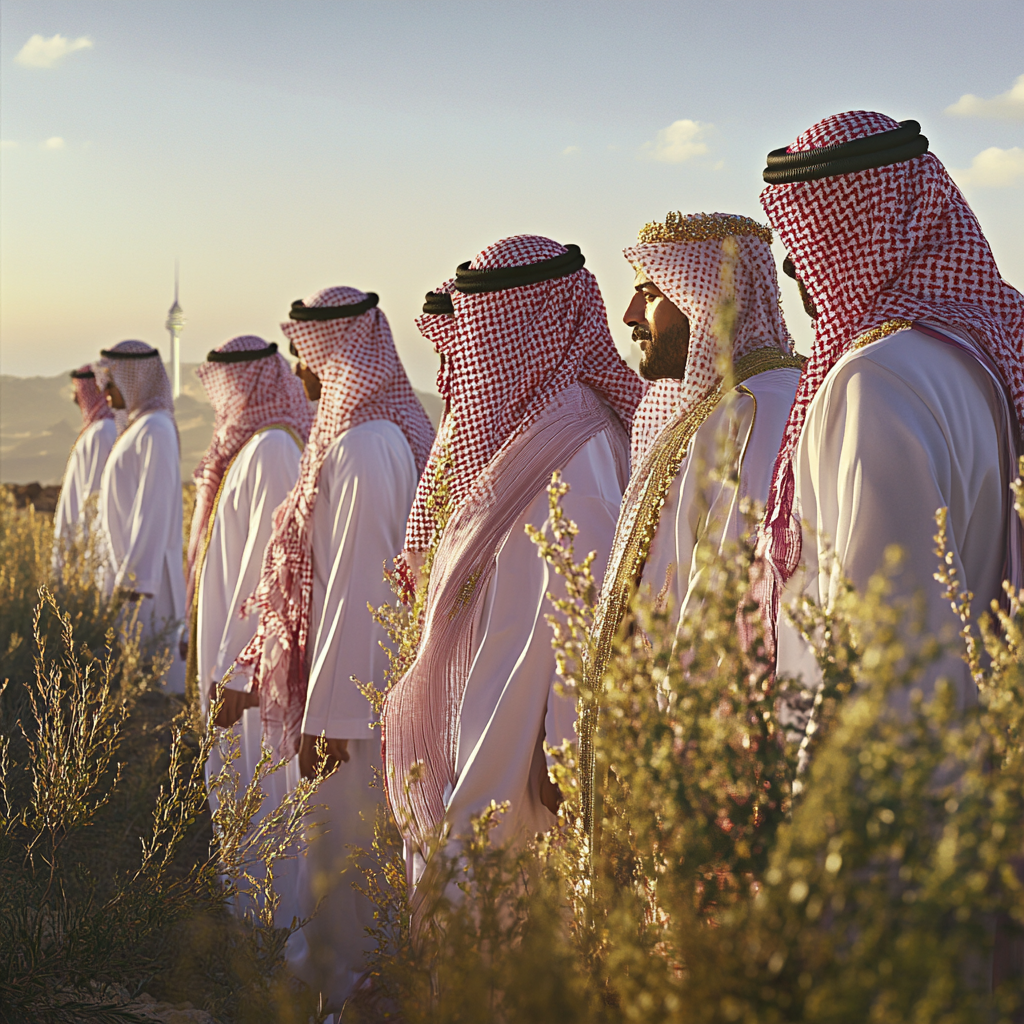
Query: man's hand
x,y
233,705
550,794
337,752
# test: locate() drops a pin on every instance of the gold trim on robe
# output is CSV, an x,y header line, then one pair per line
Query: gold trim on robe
x,y
633,536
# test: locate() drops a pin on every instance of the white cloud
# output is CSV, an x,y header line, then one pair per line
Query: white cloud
x,y
8,144
39,52
569,150
54,142
993,168
1009,105
679,142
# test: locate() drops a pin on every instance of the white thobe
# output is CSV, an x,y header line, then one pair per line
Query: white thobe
x,y
703,507
365,490
81,480
899,429
257,481
140,514
511,705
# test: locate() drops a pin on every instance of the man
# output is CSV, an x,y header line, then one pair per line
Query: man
x,y
332,536
262,420
86,462
140,498
913,396
692,273
533,385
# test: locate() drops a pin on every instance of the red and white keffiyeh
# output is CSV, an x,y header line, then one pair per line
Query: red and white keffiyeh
x,y
888,242
439,330
530,376
705,263
507,354
143,383
362,379
246,397
91,400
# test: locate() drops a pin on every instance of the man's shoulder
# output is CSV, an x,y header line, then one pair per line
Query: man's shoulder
x,y
272,442
268,450
909,353
779,384
105,427
99,433
158,423
368,442
906,370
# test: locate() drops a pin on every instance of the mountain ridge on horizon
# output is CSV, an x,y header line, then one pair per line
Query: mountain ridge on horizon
x,y
39,424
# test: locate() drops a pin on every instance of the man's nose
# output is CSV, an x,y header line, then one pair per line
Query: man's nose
x,y
635,312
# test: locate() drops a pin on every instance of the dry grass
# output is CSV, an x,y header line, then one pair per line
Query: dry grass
x,y
111,873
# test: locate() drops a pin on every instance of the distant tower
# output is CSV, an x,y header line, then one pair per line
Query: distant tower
x,y
175,322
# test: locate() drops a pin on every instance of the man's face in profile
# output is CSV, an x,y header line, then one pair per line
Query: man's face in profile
x,y
661,330
114,397
790,271
310,381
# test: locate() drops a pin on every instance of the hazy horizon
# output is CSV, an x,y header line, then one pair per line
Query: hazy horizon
x,y
278,148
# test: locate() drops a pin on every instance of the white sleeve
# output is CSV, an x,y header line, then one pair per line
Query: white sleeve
x,y
874,466
596,518
98,442
367,482
878,499
513,675
69,504
152,518
82,475
709,513
271,474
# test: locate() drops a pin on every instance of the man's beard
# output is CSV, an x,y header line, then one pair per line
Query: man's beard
x,y
806,299
666,353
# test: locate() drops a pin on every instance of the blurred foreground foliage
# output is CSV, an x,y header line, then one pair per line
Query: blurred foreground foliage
x,y
115,880
868,871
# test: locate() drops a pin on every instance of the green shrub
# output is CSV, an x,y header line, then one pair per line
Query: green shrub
x,y
737,874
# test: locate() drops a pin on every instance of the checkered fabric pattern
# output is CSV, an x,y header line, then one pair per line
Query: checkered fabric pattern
x,y
91,401
362,379
143,383
509,354
700,279
874,245
246,397
439,330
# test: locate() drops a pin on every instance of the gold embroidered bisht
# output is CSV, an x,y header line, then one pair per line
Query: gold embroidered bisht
x,y
634,534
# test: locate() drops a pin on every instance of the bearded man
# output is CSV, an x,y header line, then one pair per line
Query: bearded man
x,y
341,522
262,421
706,314
140,497
533,385
85,464
913,396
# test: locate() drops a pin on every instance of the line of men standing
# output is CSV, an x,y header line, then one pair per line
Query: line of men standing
x,y
912,400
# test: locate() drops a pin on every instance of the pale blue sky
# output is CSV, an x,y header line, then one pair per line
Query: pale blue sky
x,y
277,148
